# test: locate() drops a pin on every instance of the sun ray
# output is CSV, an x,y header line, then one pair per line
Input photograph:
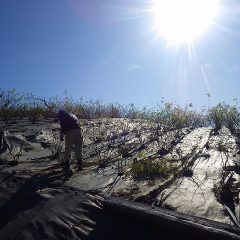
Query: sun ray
x,y
181,21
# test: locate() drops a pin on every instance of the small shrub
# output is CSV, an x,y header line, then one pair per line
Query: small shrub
x,y
152,168
224,115
16,152
56,148
167,115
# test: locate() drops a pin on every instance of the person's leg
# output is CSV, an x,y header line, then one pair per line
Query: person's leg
x,y
78,148
68,148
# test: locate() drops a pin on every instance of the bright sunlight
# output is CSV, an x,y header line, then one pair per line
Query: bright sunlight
x,y
181,21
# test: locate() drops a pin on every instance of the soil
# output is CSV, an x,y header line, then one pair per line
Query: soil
x,y
204,182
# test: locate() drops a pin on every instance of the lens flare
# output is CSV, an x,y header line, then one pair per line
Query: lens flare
x,y
181,21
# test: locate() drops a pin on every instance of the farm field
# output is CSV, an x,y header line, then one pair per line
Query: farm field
x,y
119,120
192,171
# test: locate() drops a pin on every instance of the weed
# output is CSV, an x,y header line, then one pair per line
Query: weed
x,y
166,115
224,115
16,152
56,148
152,168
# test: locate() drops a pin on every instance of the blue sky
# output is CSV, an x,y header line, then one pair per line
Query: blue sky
x,y
104,49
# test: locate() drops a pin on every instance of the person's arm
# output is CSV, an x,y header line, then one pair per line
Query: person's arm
x,y
75,120
62,130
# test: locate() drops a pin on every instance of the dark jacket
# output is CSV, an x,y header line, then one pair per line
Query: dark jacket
x,y
67,121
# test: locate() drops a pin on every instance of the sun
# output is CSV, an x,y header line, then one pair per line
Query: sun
x,y
181,21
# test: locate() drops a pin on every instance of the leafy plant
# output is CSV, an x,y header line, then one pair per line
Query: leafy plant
x,y
167,115
224,115
151,168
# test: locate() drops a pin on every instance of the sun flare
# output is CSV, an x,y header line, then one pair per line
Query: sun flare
x,y
181,21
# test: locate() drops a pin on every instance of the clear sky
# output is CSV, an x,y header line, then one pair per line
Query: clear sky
x,y
106,49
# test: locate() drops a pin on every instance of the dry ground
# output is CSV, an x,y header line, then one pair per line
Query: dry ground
x,y
198,169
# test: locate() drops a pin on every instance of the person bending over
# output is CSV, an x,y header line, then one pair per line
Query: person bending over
x,y
70,127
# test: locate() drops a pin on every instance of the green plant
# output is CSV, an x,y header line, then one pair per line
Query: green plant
x,y
233,118
224,115
167,115
152,168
